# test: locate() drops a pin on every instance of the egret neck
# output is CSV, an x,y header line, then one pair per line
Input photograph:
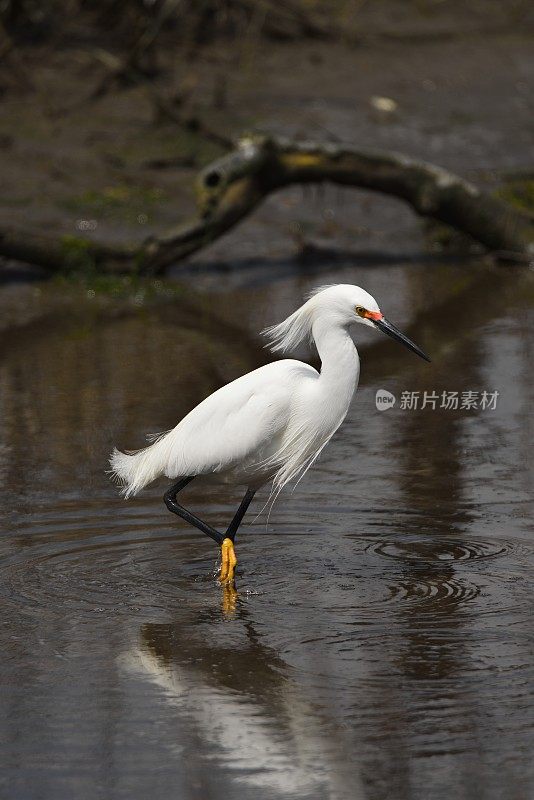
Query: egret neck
x,y
340,366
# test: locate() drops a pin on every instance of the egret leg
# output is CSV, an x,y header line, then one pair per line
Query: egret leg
x,y
228,556
240,513
170,501
226,543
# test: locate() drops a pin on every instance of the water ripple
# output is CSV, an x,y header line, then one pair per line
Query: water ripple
x,y
438,549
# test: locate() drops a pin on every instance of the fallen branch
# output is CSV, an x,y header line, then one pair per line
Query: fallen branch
x,y
233,186
431,191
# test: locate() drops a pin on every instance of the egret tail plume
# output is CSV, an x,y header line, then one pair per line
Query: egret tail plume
x,y
134,470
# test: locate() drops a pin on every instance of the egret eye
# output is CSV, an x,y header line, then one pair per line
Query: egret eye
x,y
360,310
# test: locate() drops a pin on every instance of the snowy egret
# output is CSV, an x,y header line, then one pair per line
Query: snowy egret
x,y
270,424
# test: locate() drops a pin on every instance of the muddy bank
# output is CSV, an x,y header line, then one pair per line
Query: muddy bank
x,y
111,169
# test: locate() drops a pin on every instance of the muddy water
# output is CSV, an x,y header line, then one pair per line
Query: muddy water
x,y
382,643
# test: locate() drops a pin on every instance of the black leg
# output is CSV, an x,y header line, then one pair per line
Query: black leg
x,y
170,501
240,513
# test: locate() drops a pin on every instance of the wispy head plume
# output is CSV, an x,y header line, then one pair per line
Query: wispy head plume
x,y
297,328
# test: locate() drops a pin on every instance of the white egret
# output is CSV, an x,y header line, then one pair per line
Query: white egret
x,y
270,424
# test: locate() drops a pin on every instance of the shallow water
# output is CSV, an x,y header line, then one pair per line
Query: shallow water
x,y
382,641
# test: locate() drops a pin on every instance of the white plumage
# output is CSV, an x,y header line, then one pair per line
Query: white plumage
x,y
273,422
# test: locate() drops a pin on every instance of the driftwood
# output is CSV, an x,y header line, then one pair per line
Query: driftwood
x,y
233,186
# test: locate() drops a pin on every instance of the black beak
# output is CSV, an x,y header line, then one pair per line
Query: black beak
x,y
391,330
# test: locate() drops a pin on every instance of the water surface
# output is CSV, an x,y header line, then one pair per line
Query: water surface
x,y
382,641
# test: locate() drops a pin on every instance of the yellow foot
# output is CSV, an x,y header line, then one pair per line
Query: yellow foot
x,y
228,562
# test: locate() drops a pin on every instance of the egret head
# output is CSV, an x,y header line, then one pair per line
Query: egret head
x,y
342,305
352,304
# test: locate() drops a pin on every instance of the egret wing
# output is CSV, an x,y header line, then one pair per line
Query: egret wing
x,y
239,424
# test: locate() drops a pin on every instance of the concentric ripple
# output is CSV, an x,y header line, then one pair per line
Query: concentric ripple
x,y
119,564
136,561
440,550
440,590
